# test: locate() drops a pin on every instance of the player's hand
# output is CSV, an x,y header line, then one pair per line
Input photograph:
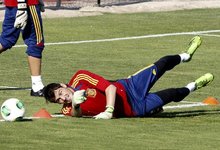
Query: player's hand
x,y
103,115
107,114
21,15
41,3
79,97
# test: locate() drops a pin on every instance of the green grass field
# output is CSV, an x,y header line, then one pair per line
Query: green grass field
x,y
193,128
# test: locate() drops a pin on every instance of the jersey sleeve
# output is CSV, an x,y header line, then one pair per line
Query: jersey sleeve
x,y
89,78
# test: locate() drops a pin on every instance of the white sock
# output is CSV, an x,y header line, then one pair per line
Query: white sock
x,y
184,57
37,83
191,86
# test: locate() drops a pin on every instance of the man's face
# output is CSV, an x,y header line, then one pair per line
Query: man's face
x,y
63,95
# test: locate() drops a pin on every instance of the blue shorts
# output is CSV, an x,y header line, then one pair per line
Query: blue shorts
x,y
137,88
32,34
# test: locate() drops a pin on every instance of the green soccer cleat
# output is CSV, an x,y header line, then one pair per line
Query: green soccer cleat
x,y
204,80
193,45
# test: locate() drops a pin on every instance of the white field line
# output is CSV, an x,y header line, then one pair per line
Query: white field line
x,y
132,37
184,101
53,116
185,105
210,35
8,87
13,87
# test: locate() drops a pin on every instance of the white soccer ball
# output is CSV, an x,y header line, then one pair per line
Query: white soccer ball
x,y
12,109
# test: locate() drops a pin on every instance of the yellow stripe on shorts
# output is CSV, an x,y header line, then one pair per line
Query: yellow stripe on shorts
x,y
36,22
142,70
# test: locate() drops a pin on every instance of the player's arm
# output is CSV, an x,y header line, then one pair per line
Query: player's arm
x,y
110,92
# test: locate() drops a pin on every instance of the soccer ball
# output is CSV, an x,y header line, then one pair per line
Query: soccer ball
x,y
12,109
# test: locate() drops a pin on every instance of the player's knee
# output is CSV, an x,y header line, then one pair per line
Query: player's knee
x,y
4,44
1,48
35,51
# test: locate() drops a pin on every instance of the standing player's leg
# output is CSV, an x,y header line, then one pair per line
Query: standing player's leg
x,y
35,69
34,39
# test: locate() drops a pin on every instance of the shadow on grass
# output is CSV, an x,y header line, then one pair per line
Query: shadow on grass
x,y
23,119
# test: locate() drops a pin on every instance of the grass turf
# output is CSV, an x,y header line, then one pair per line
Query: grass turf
x,y
189,128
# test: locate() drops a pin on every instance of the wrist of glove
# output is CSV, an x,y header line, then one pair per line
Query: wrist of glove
x,y
22,5
79,97
107,114
21,15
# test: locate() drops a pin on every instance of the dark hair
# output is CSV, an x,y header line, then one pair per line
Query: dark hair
x,y
49,92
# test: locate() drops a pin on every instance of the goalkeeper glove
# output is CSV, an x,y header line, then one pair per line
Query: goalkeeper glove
x,y
21,15
107,114
79,97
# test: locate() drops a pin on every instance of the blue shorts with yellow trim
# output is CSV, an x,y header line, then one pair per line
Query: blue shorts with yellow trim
x,y
32,34
137,89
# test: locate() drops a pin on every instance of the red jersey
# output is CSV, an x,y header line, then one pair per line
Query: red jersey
x,y
96,100
13,3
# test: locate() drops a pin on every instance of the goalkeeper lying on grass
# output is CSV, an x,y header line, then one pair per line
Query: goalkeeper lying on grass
x,y
88,94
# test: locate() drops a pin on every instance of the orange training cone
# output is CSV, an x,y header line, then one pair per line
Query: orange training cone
x,y
211,101
42,113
